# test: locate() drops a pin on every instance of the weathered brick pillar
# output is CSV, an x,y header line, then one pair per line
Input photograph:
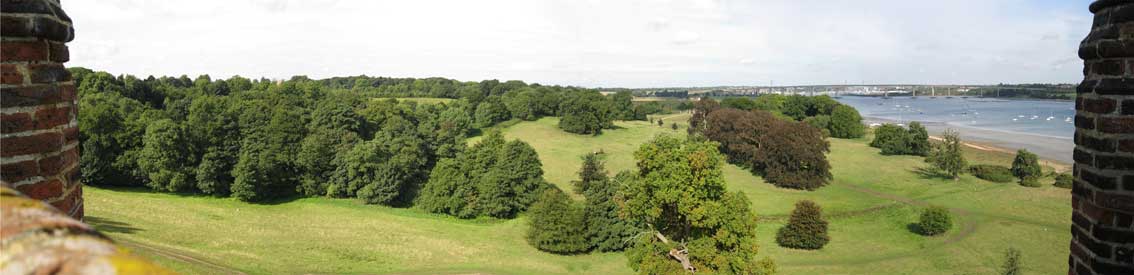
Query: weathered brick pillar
x,y
1103,195
39,148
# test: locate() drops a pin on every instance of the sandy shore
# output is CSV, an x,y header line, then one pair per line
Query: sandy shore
x,y
1055,150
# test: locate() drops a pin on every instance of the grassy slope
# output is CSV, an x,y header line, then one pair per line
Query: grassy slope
x,y
867,204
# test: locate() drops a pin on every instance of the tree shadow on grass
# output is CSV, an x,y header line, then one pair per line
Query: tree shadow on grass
x,y
913,227
107,225
280,199
930,173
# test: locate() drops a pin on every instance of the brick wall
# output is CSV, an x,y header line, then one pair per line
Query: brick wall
x,y
39,130
1103,195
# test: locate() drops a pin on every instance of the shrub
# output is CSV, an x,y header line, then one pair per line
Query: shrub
x,y
934,220
1064,180
1026,166
1011,263
993,173
1030,182
895,140
557,224
806,229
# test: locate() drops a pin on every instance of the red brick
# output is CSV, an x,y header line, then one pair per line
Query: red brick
x,y
67,93
1118,125
48,73
41,143
14,172
10,74
42,190
1099,106
59,52
15,123
1126,145
68,202
52,117
53,165
70,134
30,96
23,51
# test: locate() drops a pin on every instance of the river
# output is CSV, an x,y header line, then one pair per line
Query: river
x,y
1043,127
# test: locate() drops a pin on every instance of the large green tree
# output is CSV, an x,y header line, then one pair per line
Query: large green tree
x,y
846,122
585,113
694,223
606,230
165,159
557,224
1026,167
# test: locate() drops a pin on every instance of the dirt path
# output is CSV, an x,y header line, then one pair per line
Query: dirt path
x,y
179,256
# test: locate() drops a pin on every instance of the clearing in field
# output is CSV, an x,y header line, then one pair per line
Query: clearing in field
x,y
870,205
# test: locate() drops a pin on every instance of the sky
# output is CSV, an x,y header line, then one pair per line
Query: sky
x,y
591,43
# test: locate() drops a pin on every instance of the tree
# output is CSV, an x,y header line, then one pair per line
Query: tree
x,y
490,112
381,170
557,224
622,104
320,153
164,159
1012,264
821,122
797,107
694,223
592,172
793,155
773,103
522,104
492,178
947,156
738,133
585,113
1026,168
606,229
892,139
846,122
918,139
806,228
513,184
934,220
701,110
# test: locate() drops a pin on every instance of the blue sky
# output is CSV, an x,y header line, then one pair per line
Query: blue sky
x,y
636,43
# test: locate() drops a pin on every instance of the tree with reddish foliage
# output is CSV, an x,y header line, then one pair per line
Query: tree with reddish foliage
x,y
701,110
788,154
793,155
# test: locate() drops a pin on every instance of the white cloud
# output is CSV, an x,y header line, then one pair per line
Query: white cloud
x,y
591,43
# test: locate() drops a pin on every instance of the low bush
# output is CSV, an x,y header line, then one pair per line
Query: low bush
x,y
934,221
1063,180
993,173
1030,182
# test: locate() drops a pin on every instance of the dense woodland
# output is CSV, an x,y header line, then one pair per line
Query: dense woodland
x,y
260,140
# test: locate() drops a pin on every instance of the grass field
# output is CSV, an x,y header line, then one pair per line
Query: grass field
x,y
870,205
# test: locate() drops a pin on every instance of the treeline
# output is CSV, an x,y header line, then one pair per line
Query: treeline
x,y
777,136
259,139
1041,91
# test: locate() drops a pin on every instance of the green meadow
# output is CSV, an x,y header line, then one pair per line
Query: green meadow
x,y
870,205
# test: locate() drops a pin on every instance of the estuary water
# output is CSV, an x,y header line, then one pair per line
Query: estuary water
x,y
1044,127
